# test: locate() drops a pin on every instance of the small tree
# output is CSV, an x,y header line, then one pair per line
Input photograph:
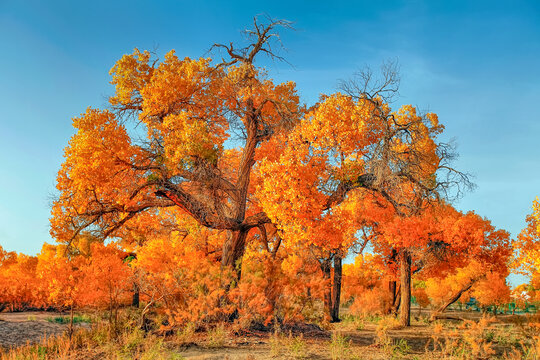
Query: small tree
x,y
107,280
62,278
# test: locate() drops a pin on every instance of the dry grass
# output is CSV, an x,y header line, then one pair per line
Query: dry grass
x,y
379,338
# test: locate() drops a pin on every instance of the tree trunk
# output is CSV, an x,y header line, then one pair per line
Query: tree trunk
x,y
392,291
70,323
326,270
450,301
135,300
233,250
393,288
336,289
405,280
395,292
397,302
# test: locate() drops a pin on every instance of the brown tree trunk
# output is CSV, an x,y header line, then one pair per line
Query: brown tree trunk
x,y
395,297
233,250
397,301
450,301
405,280
336,289
326,270
392,289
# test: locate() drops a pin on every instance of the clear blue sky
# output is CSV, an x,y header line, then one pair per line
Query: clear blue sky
x,y
475,63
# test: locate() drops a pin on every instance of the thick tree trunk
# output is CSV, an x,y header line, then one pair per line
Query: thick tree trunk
x,y
450,301
405,280
336,289
233,250
326,270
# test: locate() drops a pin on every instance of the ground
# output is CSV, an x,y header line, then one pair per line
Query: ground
x,y
363,339
22,327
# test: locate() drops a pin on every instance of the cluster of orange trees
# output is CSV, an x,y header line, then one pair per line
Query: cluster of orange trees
x,y
221,196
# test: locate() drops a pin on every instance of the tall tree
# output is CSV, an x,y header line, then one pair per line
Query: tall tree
x,y
527,249
162,143
347,143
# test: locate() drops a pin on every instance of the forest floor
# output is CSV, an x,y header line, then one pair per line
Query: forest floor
x,y
362,339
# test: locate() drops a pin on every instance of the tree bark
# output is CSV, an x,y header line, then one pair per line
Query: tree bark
x,y
392,289
393,306
450,301
397,301
405,280
336,289
326,270
233,250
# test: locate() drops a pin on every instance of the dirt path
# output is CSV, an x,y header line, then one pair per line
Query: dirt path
x,y
20,328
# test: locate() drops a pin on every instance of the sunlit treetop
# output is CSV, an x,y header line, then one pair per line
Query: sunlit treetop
x,y
345,144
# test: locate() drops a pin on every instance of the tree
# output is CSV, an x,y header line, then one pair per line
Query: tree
x,y
187,290
184,110
349,142
107,280
62,278
527,253
364,285
162,145
479,250
19,287
527,246
492,290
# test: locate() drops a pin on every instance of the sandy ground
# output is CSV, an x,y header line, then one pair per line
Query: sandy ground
x,y
20,328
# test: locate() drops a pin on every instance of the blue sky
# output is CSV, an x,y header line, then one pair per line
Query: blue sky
x,y
473,63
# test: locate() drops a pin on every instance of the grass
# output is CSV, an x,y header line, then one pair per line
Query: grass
x,y
131,344
481,339
217,336
340,347
276,341
297,347
77,319
185,335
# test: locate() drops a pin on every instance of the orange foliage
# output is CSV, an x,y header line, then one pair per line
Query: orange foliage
x,y
19,287
62,278
188,283
527,246
493,290
365,284
107,279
